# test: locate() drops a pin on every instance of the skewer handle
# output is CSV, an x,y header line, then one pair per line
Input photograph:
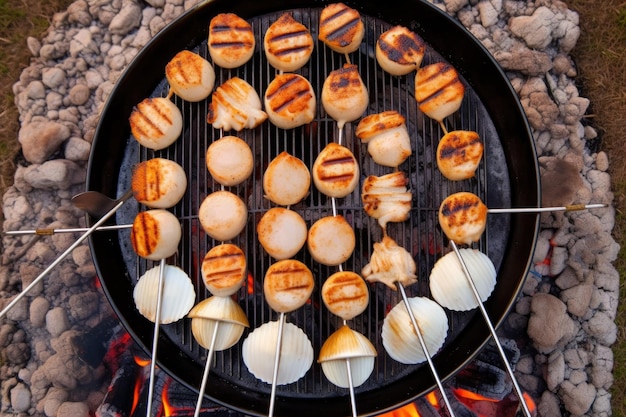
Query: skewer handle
x,y
64,255
481,306
49,232
573,207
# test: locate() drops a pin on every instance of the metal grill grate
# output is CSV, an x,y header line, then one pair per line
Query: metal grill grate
x,y
420,235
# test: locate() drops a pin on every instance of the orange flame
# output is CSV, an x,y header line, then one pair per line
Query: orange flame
x,y
409,410
167,407
530,403
142,362
472,396
432,399
136,395
250,286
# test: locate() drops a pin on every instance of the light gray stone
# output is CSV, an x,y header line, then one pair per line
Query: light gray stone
x,y
20,398
40,140
549,326
57,321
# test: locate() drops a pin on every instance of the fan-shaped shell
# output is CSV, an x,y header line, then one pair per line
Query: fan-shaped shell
x,y
399,337
347,344
449,285
178,294
296,354
223,312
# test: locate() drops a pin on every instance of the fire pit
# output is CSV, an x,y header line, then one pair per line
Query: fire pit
x,y
571,280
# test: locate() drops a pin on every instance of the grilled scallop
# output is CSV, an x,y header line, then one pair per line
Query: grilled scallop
x,y
458,154
386,136
390,263
344,95
288,44
286,180
345,294
290,101
223,215
224,269
288,284
229,160
386,198
331,240
335,171
231,40
156,123
281,232
235,105
399,50
463,217
155,234
190,76
158,183
341,28
438,90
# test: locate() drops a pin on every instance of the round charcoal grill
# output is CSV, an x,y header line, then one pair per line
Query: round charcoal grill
x,y
507,177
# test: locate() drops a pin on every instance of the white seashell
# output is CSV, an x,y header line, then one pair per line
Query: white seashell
x,y
223,312
347,344
399,337
178,294
449,285
296,354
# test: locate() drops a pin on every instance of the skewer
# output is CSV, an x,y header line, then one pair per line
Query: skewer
x,y
420,337
279,342
481,306
49,232
351,387
155,338
67,252
207,368
572,207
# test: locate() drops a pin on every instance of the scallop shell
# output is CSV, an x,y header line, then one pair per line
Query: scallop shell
x,y
449,285
178,294
296,355
218,311
399,337
347,344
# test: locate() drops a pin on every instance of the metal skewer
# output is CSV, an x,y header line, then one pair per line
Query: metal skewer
x,y
279,342
67,252
572,207
481,306
155,338
49,232
420,337
351,387
207,368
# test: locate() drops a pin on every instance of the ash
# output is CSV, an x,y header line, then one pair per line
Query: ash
x,y
563,322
